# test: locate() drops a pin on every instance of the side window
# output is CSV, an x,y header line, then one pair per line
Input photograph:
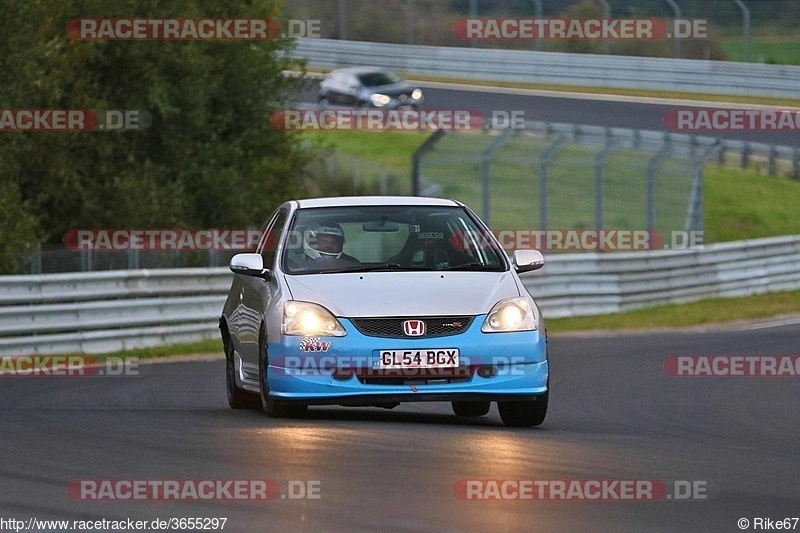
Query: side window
x,y
270,239
352,82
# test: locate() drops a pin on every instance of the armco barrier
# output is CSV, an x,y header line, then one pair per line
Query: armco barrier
x,y
584,70
109,311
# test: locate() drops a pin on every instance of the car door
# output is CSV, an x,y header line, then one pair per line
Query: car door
x,y
351,91
336,89
257,294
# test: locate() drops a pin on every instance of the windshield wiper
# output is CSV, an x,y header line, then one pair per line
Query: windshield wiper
x,y
372,268
470,266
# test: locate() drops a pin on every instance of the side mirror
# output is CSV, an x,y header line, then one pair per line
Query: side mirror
x,y
250,265
527,260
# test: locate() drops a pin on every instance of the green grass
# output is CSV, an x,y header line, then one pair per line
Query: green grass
x,y
211,346
743,204
783,50
711,311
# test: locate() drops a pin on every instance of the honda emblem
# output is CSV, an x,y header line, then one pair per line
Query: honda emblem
x,y
414,328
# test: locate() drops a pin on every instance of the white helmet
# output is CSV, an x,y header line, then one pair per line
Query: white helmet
x,y
329,247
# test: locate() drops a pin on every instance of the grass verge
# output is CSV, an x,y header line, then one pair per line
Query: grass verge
x,y
210,346
710,311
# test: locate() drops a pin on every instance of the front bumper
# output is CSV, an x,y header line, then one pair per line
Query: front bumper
x,y
493,367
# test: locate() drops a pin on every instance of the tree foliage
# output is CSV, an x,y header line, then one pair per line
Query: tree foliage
x,y
210,157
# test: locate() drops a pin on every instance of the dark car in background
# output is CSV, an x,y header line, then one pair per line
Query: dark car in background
x,y
368,87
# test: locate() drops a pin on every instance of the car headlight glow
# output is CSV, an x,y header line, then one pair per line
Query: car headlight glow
x,y
511,314
417,94
306,318
380,100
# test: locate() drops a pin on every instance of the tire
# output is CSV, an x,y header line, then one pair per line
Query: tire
x,y
524,414
271,406
323,102
465,408
237,398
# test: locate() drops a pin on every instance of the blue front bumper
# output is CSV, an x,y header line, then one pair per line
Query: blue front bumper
x,y
494,366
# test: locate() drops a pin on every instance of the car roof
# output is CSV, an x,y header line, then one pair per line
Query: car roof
x,y
341,201
359,70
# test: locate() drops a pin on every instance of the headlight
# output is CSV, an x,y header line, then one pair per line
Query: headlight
x,y
380,100
305,318
511,314
417,94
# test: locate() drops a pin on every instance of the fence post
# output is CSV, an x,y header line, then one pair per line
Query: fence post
x,y
537,6
773,154
745,28
36,260
676,9
746,155
694,211
343,20
473,13
599,164
486,173
424,148
409,21
544,163
607,15
651,181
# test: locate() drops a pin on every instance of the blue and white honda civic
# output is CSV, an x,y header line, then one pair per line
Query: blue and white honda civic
x,y
374,301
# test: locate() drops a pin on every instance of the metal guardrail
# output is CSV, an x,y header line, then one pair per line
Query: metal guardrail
x,y
97,312
586,70
110,311
591,283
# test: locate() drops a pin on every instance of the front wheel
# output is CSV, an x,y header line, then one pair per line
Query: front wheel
x,y
274,408
465,408
524,414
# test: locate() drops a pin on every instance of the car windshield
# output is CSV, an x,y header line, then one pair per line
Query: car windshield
x,y
375,79
388,239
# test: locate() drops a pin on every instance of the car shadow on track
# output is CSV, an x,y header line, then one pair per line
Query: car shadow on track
x,y
375,414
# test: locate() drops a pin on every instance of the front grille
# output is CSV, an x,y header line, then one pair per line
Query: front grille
x,y
438,326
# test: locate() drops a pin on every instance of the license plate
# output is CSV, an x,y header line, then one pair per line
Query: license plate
x,y
428,358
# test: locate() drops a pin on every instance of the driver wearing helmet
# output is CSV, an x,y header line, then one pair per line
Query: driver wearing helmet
x,y
323,241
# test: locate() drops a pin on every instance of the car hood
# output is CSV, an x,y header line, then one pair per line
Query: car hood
x,y
374,294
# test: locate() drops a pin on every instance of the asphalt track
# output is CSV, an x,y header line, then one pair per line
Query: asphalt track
x,y
614,414
596,110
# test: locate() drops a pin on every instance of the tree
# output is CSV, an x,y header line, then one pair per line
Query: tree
x,y
210,157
